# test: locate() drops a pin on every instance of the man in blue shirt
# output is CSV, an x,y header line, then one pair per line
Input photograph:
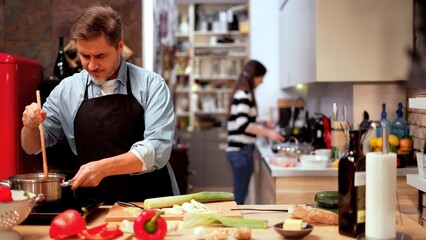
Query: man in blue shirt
x,y
118,118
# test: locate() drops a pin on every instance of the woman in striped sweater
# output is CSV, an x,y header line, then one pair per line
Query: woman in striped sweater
x,y
243,129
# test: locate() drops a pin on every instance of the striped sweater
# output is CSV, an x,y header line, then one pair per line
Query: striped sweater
x,y
242,113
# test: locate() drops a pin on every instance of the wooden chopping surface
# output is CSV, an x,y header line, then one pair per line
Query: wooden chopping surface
x,y
117,212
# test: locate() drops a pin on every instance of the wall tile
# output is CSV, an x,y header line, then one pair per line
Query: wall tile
x,y
27,20
31,28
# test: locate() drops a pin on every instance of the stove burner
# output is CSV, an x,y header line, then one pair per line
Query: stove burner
x,y
43,213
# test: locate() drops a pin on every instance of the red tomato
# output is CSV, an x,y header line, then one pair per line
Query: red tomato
x,y
5,194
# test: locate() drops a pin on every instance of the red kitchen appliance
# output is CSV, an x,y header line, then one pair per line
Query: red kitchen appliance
x,y
19,78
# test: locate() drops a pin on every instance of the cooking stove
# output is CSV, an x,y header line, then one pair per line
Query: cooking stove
x,y
43,213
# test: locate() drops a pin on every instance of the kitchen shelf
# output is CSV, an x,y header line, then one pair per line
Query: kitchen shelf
x,y
200,113
182,114
181,54
418,103
182,35
228,55
229,90
210,33
212,59
220,45
215,78
182,90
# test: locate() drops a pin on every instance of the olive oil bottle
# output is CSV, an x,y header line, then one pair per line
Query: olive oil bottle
x,y
351,181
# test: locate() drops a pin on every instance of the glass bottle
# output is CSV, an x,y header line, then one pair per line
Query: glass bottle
x,y
384,122
61,68
399,126
351,185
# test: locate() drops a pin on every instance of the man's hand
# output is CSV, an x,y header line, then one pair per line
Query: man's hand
x,y
33,116
89,175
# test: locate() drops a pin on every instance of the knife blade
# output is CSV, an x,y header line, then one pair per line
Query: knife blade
x,y
345,116
129,204
335,112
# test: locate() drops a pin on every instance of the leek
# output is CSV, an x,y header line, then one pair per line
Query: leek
x,y
203,197
202,219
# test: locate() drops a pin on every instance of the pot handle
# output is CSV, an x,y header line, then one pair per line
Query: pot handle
x,y
66,183
6,183
39,198
296,142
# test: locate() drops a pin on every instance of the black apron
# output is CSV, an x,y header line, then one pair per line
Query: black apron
x,y
108,126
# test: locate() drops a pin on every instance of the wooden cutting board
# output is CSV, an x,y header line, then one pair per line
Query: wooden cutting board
x,y
117,212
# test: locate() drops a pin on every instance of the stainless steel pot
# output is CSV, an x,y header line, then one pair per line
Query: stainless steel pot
x,y
50,188
292,149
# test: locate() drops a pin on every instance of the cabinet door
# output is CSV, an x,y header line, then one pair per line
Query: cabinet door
x,y
363,40
218,169
196,158
297,42
344,41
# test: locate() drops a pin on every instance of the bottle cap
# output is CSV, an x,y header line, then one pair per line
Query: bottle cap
x,y
384,110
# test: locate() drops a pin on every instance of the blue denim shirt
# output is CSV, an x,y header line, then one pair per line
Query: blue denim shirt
x,y
149,89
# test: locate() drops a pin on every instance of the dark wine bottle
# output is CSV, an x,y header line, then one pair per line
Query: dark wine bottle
x,y
351,181
61,69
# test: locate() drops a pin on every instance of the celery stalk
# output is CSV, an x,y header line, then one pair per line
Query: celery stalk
x,y
202,219
203,197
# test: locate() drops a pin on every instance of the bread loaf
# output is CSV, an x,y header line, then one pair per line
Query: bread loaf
x,y
313,215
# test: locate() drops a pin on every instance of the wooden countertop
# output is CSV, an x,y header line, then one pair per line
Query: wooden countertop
x,y
413,229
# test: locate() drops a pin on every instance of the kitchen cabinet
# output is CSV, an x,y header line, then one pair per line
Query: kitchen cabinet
x,y
417,103
417,127
344,41
416,117
207,158
210,53
419,183
278,185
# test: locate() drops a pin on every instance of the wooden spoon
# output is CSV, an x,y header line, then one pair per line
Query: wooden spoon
x,y
43,144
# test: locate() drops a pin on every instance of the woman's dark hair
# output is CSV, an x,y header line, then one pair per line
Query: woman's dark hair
x,y
97,21
245,81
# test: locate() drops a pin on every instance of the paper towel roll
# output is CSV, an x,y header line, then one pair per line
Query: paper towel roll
x,y
380,222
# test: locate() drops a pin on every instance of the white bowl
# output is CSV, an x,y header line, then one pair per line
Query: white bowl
x,y
323,152
313,162
15,212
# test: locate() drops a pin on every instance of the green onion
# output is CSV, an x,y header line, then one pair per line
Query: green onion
x,y
203,197
202,219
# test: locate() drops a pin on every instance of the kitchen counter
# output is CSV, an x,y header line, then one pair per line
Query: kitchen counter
x,y
419,183
320,231
279,185
276,171
415,181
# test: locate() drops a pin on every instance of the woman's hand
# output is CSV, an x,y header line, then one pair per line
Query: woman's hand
x,y
267,124
275,136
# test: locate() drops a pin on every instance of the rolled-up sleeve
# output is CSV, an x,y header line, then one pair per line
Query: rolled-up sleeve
x,y
154,151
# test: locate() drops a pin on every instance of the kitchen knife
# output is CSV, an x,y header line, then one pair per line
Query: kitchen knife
x,y
335,112
345,116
